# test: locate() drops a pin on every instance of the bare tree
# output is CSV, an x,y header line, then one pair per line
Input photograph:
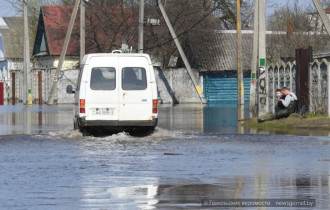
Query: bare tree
x,y
326,4
226,13
108,22
109,29
186,16
291,28
108,26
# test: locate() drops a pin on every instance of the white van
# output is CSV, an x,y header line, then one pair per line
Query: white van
x,y
116,91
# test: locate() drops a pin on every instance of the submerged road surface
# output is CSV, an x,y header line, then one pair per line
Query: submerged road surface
x,y
189,160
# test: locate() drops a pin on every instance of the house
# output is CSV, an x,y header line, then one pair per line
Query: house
x,y
11,59
316,21
215,59
107,29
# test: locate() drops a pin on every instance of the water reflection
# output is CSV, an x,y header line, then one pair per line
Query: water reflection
x,y
191,192
211,118
124,172
34,119
188,118
139,175
216,118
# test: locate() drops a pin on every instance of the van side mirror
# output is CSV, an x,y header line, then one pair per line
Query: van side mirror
x,y
69,89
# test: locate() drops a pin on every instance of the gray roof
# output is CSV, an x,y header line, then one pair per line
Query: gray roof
x,y
13,37
217,51
3,24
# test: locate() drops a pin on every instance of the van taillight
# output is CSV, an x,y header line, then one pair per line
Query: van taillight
x,y
155,106
82,106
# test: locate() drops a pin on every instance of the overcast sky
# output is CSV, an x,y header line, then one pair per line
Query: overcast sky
x,y
6,8
273,4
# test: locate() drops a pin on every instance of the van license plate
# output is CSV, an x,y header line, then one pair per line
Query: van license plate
x,y
102,111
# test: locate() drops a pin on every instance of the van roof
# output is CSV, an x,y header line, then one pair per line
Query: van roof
x,y
89,56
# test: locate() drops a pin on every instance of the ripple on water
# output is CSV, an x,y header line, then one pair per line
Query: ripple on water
x,y
158,134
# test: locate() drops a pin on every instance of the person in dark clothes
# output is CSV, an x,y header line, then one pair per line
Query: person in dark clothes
x,y
290,102
279,106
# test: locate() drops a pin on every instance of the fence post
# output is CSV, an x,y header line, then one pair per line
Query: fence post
x,y
310,74
303,59
271,88
291,79
319,87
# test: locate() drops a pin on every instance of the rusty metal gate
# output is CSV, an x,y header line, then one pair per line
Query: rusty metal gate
x,y
2,89
13,91
40,88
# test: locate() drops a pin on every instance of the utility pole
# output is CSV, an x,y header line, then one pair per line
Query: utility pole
x,y
323,15
27,97
253,106
63,52
240,84
141,23
82,30
182,54
262,73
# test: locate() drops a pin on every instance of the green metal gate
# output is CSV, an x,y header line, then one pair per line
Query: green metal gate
x,y
221,88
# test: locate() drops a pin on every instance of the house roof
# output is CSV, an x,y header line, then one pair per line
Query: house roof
x,y
12,41
323,52
54,21
218,51
3,24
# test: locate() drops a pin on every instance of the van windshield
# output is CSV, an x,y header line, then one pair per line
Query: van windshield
x,y
103,78
134,78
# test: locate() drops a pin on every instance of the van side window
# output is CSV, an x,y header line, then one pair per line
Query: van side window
x,y
103,78
134,78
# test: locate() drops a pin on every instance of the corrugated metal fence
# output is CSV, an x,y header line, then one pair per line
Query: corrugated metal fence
x,y
221,88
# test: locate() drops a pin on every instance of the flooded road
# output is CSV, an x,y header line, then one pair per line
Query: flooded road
x,y
194,154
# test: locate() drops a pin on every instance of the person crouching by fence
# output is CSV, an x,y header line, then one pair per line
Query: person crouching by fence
x,y
279,106
290,103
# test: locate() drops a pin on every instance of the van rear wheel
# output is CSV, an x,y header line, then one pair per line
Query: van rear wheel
x,y
84,131
141,131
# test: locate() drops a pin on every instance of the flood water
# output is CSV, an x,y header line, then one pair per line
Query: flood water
x,y
195,153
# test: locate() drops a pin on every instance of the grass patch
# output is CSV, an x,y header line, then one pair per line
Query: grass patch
x,y
294,121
